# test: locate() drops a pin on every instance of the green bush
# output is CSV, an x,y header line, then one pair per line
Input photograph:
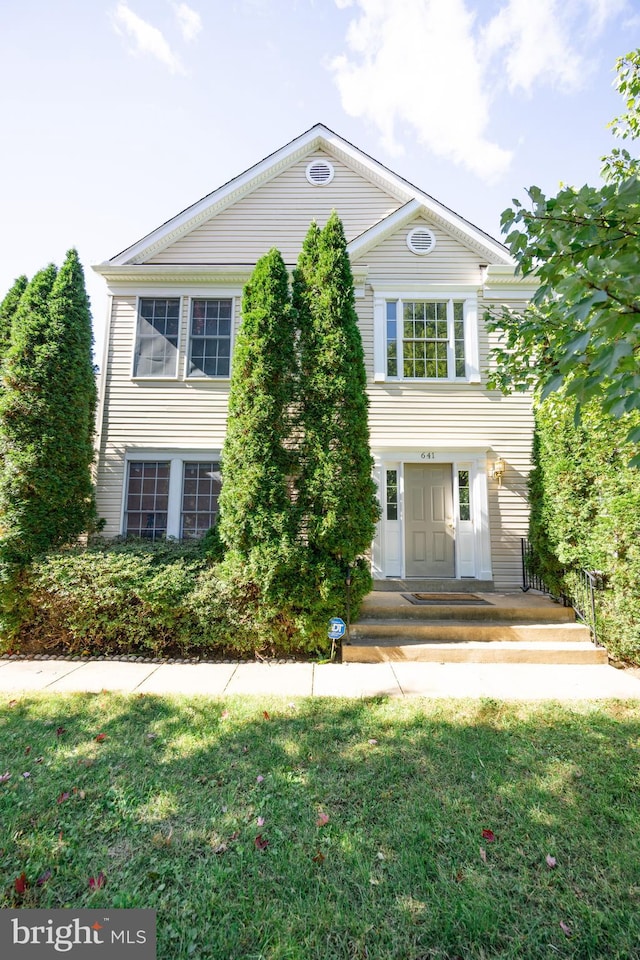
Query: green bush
x,y
585,514
169,598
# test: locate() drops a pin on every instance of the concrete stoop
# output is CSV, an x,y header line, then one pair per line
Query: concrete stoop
x,y
504,628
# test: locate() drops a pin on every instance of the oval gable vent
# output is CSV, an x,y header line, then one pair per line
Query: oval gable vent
x,y
320,172
421,241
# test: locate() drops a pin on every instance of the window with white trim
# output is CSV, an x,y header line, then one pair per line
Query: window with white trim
x,y
210,338
147,499
201,485
425,339
173,496
156,353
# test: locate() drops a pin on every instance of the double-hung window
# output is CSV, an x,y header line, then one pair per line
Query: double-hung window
x,y
156,352
425,339
174,496
210,338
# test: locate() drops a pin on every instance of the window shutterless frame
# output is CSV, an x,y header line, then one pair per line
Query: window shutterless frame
x,y
157,339
210,337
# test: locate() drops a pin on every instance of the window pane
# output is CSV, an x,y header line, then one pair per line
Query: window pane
x,y
464,494
147,499
392,494
201,488
157,338
210,338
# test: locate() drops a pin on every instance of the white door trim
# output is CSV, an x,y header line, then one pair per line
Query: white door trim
x,y
473,542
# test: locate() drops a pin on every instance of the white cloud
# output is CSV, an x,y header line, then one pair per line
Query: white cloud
x,y
415,62
189,20
432,66
148,39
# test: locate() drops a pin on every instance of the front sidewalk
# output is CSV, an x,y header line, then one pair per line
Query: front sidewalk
x,y
397,679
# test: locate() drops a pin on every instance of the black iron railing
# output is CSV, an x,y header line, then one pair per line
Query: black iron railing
x,y
586,584
582,595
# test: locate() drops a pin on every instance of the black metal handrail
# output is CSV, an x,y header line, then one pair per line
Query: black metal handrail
x,y
582,596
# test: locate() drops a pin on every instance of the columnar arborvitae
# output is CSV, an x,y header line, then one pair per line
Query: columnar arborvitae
x,y
46,418
256,518
336,491
8,308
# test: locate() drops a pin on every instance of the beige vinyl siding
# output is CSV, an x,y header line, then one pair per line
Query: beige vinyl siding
x,y
450,260
454,416
279,213
152,415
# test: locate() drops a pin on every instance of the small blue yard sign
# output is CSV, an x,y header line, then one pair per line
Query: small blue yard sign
x,y
337,628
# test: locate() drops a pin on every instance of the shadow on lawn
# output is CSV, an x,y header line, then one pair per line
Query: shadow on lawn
x,y
335,829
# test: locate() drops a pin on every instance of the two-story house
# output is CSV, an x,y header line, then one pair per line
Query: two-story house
x,y
451,457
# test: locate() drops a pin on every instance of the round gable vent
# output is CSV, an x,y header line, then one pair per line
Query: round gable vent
x,y
420,241
320,172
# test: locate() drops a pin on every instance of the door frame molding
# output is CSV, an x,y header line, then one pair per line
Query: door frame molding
x,y
472,538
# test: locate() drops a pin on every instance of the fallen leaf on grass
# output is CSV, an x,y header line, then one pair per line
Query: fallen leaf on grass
x,y
20,883
483,854
489,836
101,738
63,797
42,879
5,776
225,715
319,857
27,751
265,714
459,876
260,821
261,843
551,861
565,929
96,882
373,742
86,762
26,775
221,848
323,819
259,778
60,731
38,759
13,703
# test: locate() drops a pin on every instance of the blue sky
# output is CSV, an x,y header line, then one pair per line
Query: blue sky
x,y
117,115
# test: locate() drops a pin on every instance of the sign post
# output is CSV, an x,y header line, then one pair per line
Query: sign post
x,y
337,630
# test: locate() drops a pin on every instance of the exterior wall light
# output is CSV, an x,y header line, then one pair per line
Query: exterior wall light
x,y
496,472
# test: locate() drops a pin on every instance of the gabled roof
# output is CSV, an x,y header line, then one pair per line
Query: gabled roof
x,y
415,202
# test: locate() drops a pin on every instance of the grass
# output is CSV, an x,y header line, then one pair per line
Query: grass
x,y
371,814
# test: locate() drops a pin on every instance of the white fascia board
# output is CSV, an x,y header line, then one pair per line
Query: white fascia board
x,y
503,283
381,230
219,199
316,137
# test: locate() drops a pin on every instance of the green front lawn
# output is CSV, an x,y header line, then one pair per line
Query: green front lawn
x,y
333,829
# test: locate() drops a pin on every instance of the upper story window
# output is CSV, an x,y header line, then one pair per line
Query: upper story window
x,y
156,352
210,338
426,339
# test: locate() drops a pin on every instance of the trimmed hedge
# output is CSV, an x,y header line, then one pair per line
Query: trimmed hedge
x,y
585,513
169,599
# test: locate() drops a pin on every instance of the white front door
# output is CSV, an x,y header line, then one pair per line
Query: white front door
x,y
429,524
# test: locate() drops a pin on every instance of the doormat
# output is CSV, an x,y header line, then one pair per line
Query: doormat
x,y
445,598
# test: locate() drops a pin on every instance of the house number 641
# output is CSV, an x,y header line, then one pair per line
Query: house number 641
x,y
427,455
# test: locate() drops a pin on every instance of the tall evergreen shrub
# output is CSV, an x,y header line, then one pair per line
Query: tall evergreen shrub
x,y
257,521
336,491
47,414
585,512
8,308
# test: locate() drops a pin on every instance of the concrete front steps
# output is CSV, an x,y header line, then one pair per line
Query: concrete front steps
x,y
505,628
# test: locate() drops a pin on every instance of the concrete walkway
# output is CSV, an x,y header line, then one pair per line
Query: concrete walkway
x,y
499,681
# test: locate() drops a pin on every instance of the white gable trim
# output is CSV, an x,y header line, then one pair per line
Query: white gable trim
x,y
318,137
